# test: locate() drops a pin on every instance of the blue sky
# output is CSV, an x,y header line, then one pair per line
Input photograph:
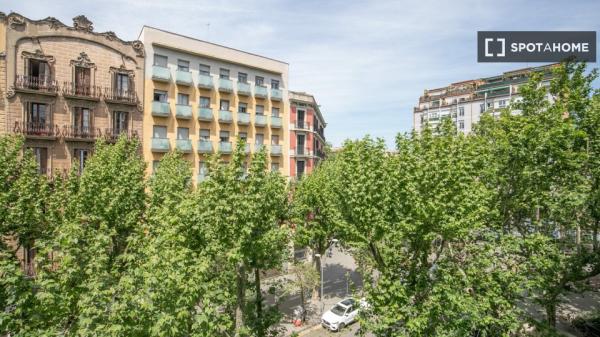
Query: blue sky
x,y
366,62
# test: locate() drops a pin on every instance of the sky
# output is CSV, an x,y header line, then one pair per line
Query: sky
x,y
366,62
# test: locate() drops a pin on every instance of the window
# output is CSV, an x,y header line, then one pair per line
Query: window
x,y
502,103
160,60
242,77
159,131
39,72
160,96
183,99
299,168
300,119
202,168
41,158
224,136
274,167
481,107
243,135
205,102
490,105
37,116
300,144
82,120
260,109
259,80
243,107
81,156
224,106
274,84
205,134
204,69
260,139
275,112
121,84
224,73
120,122
461,111
183,133
83,80
155,164
183,65
275,140
461,125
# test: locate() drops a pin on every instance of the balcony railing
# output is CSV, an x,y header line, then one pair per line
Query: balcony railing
x,y
79,132
205,114
118,95
74,89
276,94
183,111
276,122
225,85
205,146
260,120
183,78
160,145
276,150
244,89
301,125
260,91
160,109
112,134
36,129
243,118
161,74
225,147
205,81
184,145
225,116
41,84
301,151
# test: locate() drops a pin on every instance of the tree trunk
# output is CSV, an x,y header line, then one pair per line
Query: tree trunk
x,y
302,303
241,294
317,290
551,314
260,331
596,235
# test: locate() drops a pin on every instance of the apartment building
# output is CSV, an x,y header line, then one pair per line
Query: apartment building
x,y
202,97
464,102
63,87
307,134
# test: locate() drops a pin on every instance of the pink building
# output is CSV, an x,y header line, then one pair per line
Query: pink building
x,y
307,134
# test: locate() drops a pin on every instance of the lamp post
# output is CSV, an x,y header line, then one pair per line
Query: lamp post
x,y
333,241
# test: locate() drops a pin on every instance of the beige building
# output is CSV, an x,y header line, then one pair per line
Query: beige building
x,y
202,97
63,87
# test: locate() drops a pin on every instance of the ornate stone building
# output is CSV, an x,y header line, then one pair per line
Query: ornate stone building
x,y
64,87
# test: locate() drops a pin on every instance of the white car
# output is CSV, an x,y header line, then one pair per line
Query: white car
x,y
340,315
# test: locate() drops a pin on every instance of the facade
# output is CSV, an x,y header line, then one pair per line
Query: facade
x,y
64,87
307,134
202,97
464,102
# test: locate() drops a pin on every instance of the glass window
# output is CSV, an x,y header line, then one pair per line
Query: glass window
x,y
275,112
41,158
204,102
260,138
243,135
37,115
274,167
259,80
81,156
461,125
242,77
502,103
260,109
183,65
275,140
183,99
224,106
39,71
183,133
120,121
205,134
224,136
461,111
242,107
160,60
82,119
202,168
299,168
274,84
159,131
224,73
160,96
155,164
121,83
204,69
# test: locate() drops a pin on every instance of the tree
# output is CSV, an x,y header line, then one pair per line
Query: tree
x,y
305,278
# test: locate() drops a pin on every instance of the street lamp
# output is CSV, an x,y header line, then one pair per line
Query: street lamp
x,y
333,241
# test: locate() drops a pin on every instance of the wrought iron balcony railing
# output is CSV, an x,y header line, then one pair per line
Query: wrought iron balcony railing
x,y
119,95
41,84
79,132
75,89
36,129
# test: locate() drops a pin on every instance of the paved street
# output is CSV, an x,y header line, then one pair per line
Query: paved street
x,y
320,332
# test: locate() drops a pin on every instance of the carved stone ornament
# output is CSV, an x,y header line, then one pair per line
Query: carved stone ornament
x,y
82,23
16,20
10,93
83,61
138,47
38,55
110,36
54,22
122,70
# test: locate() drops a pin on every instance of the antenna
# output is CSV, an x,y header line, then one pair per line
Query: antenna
x,y
208,31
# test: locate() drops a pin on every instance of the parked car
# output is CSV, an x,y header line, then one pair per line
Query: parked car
x,y
340,315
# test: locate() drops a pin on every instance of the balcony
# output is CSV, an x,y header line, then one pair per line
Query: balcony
x,y
120,96
205,81
225,85
112,134
243,89
183,111
260,120
160,145
202,176
246,148
184,145
260,91
161,74
300,152
258,147
36,84
36,130
300,125
225,147
205,114
81,91
276,94
275,150
276,122
205,146
160,109
78,133
225,116
183,78
243,118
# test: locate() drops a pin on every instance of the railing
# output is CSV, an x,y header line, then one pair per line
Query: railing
x,y
112,135
225,85
205,81
120,95
205,114
244,89
276,94
243,118
78,132
161,74
302,125
36,83
260,91
260,120
160,145
205,146
184,145
276,150
225,116
81,90
36,129
183,77
276,122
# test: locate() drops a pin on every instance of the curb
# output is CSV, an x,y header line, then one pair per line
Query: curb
x,y
308,329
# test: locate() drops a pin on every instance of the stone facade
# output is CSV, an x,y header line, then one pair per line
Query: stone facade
x,y
64,87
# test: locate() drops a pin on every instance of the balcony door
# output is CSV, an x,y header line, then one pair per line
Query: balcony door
x,y
83,81
39,74
120,122
82,123
37,116
121,85
300,140
300,119
81,156
299,168
41,158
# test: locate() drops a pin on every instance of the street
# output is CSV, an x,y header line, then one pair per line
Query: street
x,y
321,332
